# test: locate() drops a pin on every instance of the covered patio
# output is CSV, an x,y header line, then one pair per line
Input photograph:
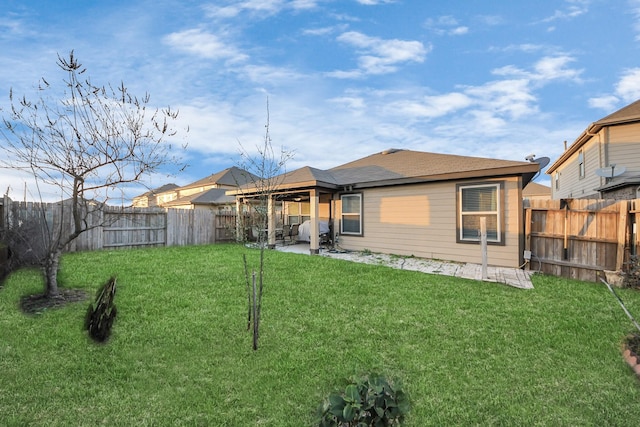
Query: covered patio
x,y
307,185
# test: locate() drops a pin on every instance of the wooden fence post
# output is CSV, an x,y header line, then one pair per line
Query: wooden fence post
x,y
527,232
634,238
622,233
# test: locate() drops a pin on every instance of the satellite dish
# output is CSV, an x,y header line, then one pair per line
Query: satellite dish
x,y
542,161
611,171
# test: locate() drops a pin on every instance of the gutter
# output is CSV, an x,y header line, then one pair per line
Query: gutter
x,y
586,134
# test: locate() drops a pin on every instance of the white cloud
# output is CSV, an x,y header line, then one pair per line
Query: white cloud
x,y
222,12
267,7
446,25
606,102
258,8
379,56
269,74
11,28
375,2
523,47
628,87
351,74
547,69
323,31
556,68
634,7
512,98
574,8
353,103
432,106
458,31
204,44
490,20
304,4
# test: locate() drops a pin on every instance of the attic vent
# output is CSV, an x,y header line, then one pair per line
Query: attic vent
x,y
390,151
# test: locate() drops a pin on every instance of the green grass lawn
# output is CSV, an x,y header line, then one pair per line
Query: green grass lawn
x,y
468,353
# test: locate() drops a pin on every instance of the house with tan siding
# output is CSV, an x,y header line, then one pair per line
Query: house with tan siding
x,y
603,162
205,193
153,197
411,203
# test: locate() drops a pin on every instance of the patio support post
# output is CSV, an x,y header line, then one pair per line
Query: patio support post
x,y
314,202
271,223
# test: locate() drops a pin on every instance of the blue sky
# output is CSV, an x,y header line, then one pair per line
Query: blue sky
x,y
344,78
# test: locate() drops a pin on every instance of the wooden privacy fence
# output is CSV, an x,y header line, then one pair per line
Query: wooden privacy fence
x,y
580,238
122,228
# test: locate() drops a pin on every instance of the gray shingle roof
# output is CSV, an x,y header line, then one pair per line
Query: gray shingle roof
x,y
158,190
307,174
232,176
212,197
392,167
402,164
630,113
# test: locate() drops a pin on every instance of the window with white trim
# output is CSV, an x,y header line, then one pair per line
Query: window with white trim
x,y
475,202
351,214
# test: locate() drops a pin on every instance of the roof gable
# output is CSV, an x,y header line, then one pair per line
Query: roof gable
x,y
158,190
232,176
307,174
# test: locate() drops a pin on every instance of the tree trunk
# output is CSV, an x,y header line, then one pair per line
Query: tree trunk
x,y
51,265
255,315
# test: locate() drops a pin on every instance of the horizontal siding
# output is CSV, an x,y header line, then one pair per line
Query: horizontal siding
x,y
624,148
571,185
624,133
420,220
619,145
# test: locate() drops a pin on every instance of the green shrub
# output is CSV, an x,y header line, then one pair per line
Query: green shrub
x,y
371,401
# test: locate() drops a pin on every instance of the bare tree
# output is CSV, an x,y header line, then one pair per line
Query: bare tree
x,y
269,169
88,141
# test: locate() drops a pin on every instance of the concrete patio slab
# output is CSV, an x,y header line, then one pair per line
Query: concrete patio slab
x,y
509,276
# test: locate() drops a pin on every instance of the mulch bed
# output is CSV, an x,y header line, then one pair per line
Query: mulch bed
x,y
633,343
35,304
631,352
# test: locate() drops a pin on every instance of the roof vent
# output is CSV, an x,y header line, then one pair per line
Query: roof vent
x,y
390,151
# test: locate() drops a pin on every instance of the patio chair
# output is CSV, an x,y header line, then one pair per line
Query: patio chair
x,y
293,233
284,233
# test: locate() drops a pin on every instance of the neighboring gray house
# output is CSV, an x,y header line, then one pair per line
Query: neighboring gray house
x,y
603,162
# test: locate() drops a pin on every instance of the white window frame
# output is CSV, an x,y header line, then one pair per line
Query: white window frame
x,y
499,239
344,214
